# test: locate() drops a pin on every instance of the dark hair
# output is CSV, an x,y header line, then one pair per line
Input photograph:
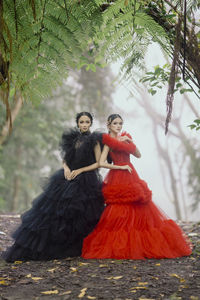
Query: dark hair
x,y
112,117
84,113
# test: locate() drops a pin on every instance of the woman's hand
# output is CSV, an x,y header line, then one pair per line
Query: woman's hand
x,y
75,173
67,173
126,167
125,138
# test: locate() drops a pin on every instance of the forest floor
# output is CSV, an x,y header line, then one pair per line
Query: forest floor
x,y
100,279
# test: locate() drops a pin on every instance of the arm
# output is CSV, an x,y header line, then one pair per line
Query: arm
x,y
104,164
137,153
127,139
97,152
127,146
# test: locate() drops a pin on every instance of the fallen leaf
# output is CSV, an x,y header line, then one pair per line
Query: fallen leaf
x,y
142,283
174,275
177,276
73,269
154,277
82,294
103,266
28,276
139,288
134,267
36,278
3,282
50,292
17,262
90,297
83,264
183,286
65,293
52,270
157,264
117,277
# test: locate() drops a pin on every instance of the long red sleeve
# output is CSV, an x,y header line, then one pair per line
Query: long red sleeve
x,y
115,144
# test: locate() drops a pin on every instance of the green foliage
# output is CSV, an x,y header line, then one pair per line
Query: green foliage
x,y
126,32
41,42
195,125
160,77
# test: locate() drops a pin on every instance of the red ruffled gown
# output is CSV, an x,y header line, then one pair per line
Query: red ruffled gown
x,y
132,226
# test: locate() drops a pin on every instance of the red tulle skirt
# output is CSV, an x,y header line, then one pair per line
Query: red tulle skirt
x,y
132,226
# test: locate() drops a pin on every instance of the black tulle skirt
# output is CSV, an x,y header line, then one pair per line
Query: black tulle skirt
x,y
60,218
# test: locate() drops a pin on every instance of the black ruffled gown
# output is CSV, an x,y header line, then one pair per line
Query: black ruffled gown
x,y
66,211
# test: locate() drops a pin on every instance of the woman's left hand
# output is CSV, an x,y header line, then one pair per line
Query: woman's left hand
x,y
75,173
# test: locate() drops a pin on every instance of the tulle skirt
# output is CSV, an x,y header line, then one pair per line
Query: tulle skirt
x,y
132,226
60,217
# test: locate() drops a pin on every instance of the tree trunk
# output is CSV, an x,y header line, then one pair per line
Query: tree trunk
x,y
14,113
165,156
16,189
16,182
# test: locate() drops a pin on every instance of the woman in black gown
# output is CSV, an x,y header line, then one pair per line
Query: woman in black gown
x,y
70,205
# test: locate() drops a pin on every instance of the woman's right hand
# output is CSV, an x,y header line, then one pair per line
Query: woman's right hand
x,y
125,139
126,167
67,173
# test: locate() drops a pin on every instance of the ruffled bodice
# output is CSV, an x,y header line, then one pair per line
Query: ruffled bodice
x,y
77,149
120,158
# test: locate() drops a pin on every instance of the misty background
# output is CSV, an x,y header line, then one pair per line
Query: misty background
x,y
169,163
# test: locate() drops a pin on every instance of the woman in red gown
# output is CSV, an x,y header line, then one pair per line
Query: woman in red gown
x,y
131,226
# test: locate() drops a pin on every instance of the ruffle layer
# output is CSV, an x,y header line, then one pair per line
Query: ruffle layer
x,y
135,232
59,219
127,193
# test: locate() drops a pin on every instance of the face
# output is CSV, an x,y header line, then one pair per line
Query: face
x,y
84,123
116,126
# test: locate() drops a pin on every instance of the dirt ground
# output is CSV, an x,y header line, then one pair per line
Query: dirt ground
x,y
100,279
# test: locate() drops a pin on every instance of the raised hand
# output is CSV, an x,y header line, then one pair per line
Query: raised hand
x,y
125,138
